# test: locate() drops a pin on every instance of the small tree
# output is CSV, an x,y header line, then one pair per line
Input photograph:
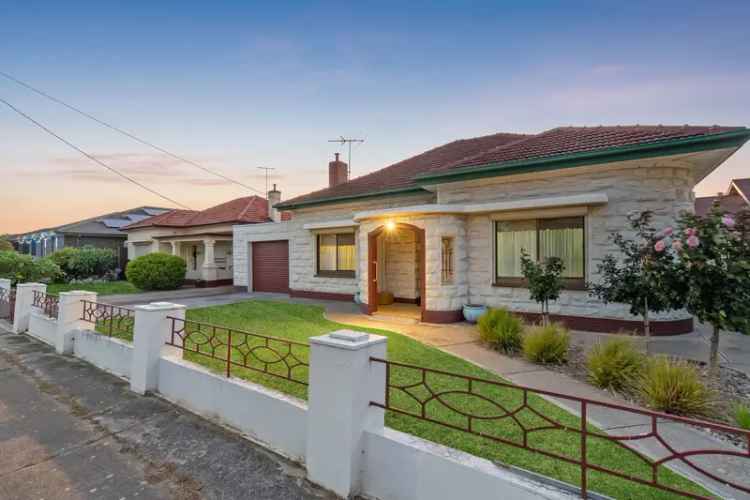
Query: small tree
x,y
713,269
6,245
545,281
643,276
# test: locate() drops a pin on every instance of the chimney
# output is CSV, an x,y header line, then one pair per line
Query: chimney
x,y
274,197
338,172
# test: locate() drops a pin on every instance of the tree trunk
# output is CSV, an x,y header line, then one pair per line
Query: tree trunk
x,y
714,359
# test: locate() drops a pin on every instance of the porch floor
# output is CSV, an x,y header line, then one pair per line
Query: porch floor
x,y
400,310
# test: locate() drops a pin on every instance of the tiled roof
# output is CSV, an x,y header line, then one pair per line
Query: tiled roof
x,y
247,210
501,148
401,174
733,201
568,140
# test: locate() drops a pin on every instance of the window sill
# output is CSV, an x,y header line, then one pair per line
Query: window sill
x,y
568,284
336,274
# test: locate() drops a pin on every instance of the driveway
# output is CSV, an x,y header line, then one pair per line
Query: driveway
x,y
69,431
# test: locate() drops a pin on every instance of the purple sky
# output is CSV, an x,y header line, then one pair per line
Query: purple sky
x,y
236,85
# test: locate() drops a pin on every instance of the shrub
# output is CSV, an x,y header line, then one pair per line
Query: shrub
x,y
5,245
501,329
156,271
674,386
742,415
616,365
546,344
86,262
21,268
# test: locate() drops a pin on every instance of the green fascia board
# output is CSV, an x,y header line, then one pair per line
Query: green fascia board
x,y
411,190
732,138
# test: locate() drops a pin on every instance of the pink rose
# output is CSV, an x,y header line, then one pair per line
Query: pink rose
x,y
677,245
727,221
691,231
667,231
693,241
659,246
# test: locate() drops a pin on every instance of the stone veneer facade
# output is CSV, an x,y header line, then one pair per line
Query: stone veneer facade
x,y
663,185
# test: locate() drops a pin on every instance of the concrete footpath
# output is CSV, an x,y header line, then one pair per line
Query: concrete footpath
x,y
70,431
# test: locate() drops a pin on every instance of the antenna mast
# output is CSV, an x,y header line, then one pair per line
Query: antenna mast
x,y
343,140
268,173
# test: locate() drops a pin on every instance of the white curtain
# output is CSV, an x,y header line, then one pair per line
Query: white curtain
x,y
327,252
512,237
567,244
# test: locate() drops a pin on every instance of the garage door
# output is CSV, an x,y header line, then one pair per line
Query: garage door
x,y
271,266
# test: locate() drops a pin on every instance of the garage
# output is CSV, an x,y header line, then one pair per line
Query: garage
x,y
271,266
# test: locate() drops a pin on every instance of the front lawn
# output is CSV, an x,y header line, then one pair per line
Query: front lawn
x,y
299,322
103,288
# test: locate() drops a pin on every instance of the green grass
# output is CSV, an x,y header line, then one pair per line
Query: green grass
x,y
105,288
299,322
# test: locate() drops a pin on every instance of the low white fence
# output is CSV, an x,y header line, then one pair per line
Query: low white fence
x,y
338,435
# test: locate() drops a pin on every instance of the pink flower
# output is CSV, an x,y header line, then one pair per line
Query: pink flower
x,y
677,245
667,231
727,221
691,231
659,246
693,241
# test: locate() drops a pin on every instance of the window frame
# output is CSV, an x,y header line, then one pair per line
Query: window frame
x,y
322,273
521,282
447,273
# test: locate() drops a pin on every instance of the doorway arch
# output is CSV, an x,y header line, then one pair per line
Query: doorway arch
x,y
372,265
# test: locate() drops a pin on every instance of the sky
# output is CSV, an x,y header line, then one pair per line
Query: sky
x,y
237,85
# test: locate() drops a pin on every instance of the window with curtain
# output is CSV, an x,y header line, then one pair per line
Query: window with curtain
x,y
336,255
540,238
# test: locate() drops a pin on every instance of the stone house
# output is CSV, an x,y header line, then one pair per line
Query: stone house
x,y
202,238
446,228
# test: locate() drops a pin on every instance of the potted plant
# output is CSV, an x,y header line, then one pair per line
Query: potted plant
x,y
472,312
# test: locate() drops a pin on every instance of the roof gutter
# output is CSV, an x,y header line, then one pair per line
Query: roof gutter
x,y
733,138
354,197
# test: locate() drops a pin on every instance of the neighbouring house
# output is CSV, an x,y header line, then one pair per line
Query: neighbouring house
x,y
203,238
734,199
103,231
446,228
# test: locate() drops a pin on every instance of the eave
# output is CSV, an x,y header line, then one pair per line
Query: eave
x,y
731,139
411,190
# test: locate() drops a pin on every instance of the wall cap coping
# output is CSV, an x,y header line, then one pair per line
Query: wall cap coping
x,y
159,306
349,340
29,285
497,206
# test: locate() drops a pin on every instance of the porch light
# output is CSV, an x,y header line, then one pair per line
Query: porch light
x,y
390,226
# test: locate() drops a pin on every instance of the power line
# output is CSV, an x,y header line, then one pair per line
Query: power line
x,y
125,132
89,156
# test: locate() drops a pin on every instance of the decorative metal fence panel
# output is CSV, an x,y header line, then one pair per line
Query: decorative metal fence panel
x,y
514,415
7,304
109,320
237,350
49,304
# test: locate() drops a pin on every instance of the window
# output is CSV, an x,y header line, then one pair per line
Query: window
x,y
540,238
447,260
336,255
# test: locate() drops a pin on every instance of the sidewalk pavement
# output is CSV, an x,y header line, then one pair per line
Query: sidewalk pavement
x,y
69,431
462,340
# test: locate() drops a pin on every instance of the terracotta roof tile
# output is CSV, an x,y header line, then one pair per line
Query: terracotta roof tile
x,y
499,148
401,174
247,210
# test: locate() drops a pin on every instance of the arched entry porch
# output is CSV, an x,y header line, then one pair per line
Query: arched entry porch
x,y
396,264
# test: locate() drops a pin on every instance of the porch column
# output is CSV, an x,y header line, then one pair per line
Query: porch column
x,y
209,271
175,247
154,246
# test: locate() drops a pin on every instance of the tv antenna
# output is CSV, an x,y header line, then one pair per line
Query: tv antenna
x,y
343,140
267,171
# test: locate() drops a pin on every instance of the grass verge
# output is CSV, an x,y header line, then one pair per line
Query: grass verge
x,y
105,288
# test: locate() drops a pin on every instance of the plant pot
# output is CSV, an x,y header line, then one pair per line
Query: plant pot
x,y
472,312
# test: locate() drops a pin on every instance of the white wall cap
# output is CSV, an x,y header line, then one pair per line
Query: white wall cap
x,y
76,292
159,306
24,285
348,339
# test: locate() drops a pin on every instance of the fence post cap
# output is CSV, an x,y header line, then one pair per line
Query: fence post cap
x,y
30,285
348,339
159,306
72,293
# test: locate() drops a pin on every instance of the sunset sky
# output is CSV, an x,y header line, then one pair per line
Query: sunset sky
x,y
238,85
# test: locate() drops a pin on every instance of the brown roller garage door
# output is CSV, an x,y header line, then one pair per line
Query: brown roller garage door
x,y
271,266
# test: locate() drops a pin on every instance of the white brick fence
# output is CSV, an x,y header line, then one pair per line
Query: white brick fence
x,y
338,435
